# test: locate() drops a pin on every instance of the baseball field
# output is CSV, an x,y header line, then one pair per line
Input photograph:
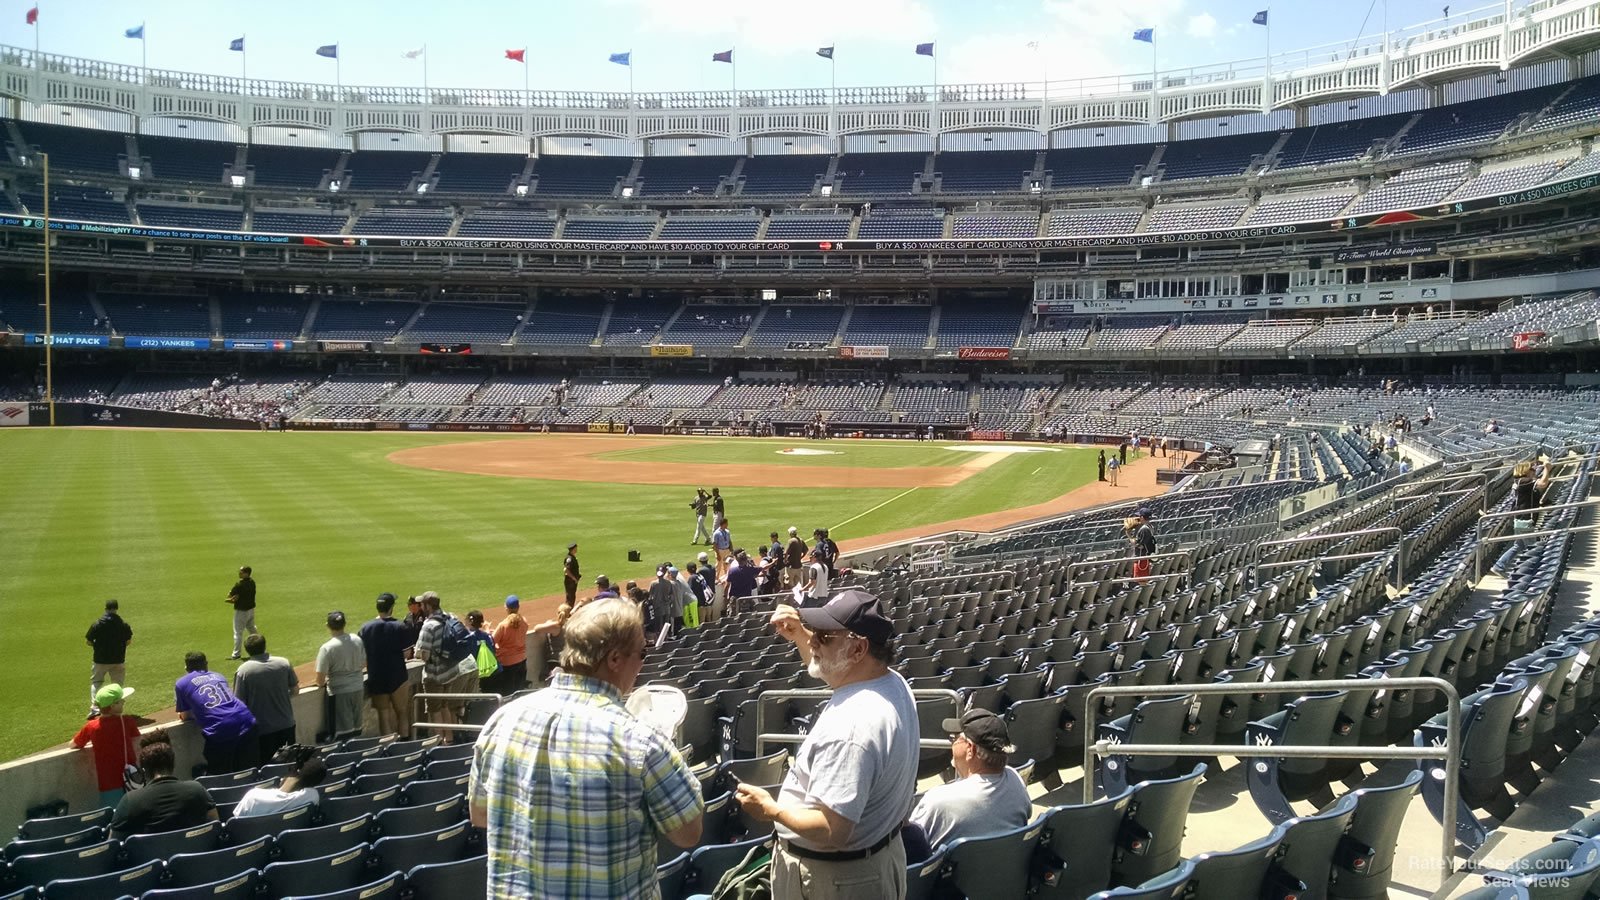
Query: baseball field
x,y
161,520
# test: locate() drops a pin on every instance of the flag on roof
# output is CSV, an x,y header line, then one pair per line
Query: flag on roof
x,y
725,56
413,54
33,16
1260,18
1148,35
135,33
622,59
925,49
331,51
236,44
518,55
825,52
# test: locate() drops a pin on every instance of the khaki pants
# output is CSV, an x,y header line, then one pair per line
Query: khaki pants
x,y
448,712
102,674
394,711
792,576
881,876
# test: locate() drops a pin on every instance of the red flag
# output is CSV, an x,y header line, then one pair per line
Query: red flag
x,y
33,16
517,55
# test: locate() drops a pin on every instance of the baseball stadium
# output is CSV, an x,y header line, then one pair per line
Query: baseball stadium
x,y
1114,393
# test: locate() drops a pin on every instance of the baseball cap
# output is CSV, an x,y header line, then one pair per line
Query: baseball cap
x,y
703,557
572,546
603,581
1142,512
672,570
981,727
513,601
112,693
111,605
852,610
793,530
336,619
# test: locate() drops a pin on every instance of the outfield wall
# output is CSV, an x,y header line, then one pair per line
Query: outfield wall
x,y
38,414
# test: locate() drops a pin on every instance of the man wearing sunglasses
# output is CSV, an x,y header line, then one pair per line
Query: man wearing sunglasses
x,y
988,797
853,780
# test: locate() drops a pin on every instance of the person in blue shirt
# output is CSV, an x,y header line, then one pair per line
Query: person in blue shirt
x,y
481,637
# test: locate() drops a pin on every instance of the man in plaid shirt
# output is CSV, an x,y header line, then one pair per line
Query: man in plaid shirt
x,y
571,788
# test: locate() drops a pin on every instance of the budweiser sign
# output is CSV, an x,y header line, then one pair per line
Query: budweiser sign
x,y
984,353
1527,340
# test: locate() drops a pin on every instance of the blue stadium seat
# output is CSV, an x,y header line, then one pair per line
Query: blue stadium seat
x,y
468,879
335,872
194,869
310,843
447,844
242,886
132,881
388,887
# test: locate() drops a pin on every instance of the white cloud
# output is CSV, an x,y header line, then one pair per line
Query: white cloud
x,y
1203,25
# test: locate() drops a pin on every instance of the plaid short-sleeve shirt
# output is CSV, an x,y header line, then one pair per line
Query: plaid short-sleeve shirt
x,y
577,792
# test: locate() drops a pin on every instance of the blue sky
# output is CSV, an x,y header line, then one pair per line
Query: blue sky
x,y
672,40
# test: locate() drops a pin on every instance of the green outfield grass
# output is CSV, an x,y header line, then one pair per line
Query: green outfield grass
x,y
161,519
839,453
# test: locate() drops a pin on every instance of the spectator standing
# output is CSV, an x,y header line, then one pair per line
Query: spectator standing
x,y
829,550
511,648
684,600
243,598
164,803
387,642
603,588
115,738
664,598
774,548
447,667
1102,466
794,558
573,792
853,780
414,618
229,728
482,639
699,505
1122,454
987,797
722,544
340,660
570,573
297,789
1143,542
741,582
109,636
267,685
1527,492
702,591
814,589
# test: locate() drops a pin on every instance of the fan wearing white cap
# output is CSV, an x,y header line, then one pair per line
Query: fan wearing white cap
x,y
837,817
989,797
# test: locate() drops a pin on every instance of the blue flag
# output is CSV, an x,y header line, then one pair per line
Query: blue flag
x,y
622,59
136,33
1260,18
825,52
725,56
236,44
1148,35
331,51
925,49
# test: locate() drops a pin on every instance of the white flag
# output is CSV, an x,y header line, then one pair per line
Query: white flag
x,y
413,54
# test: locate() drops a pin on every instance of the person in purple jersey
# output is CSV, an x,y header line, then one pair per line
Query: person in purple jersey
x,y
228,726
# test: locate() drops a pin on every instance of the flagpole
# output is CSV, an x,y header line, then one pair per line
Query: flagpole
x,y
933,124
244,64
733,117
1155,97
833,96
1266,99
525,97
424,72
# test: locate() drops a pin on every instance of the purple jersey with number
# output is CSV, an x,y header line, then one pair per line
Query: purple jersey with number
x,y
221,716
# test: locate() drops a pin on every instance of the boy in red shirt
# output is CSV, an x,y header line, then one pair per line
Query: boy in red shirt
x,y
115,738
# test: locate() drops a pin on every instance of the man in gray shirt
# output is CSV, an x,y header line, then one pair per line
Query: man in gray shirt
x,y
838,815
339,664
988,798
267,685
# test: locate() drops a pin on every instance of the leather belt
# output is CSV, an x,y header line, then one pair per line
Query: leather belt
x,y
838,855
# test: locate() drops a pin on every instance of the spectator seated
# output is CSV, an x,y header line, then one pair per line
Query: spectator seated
x,y
785,325
710,325
636,322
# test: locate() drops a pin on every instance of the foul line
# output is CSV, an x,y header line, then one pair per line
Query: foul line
x,y
872,510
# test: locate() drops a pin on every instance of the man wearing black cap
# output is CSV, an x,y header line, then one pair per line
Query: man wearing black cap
x,y
570,574
853,780
339,664
988,798
1144,543
110,637
387,642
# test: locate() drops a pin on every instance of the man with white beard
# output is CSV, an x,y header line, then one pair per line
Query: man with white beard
x,y
853,780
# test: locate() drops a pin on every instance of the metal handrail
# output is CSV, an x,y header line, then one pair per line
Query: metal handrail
x,y
1483,542
416,701
1450,752
1122,559
1445,479
1400,548
763,737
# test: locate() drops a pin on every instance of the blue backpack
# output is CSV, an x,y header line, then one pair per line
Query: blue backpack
x,y
456,641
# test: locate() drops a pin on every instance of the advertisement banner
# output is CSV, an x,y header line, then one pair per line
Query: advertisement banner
x,y
260,346
1527,340
983,353
345,346
986,434
859,352
1395,251
671,349
136,342
13,414
69,340
457,349
605,428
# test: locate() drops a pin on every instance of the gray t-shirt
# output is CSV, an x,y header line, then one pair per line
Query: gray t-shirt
x,y
341,659
973,806
267,685
860,760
